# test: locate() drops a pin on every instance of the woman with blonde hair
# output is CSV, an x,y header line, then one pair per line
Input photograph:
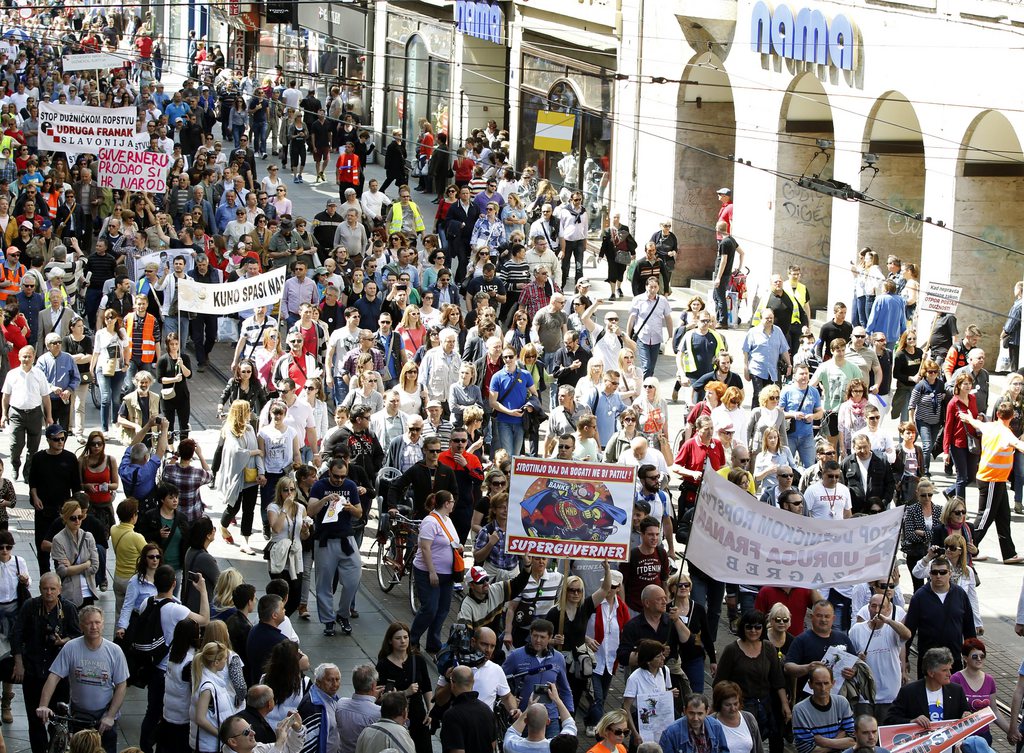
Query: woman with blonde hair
x,y
287,519
766,415
611,733
411,329
242,469
731,411
216,631
213,701
86,741
229,579
653,413
413,397
631,378
75,557
773,456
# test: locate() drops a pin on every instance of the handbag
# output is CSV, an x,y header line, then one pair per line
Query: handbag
x,y
623,257
973,443
791,423
458,561
24,594
167,393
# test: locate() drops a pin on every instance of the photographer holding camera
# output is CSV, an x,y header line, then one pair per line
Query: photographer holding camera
x,y
45,623
535,723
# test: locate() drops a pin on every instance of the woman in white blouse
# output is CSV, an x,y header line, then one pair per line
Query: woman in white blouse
x,y
288,523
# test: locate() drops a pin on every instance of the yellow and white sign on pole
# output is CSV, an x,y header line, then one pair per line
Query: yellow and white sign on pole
x,y
554,131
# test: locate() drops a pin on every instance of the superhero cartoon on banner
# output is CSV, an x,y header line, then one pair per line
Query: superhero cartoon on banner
x,y
577,510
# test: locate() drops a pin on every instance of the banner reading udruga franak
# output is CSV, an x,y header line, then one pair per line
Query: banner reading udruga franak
x,y
738,539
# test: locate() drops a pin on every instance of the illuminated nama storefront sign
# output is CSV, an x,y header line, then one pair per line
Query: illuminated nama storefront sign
x,y
805,36
480,19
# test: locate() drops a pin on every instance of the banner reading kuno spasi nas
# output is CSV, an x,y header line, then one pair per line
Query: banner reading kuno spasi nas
x,y
736,538
231,297
86,130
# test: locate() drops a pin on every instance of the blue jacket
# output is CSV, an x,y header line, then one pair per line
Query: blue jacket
x,y
889,316
525,659
676,739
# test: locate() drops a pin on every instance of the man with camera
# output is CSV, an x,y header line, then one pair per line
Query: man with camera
x,y
535,724
540,666
44,624
489,679
138,468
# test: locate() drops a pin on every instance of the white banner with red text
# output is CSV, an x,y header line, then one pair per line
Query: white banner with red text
x,y
232,297
85,130
736,538
132,170
561,509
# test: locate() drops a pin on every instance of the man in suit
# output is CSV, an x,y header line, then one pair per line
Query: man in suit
x,y
54,318
932,699
461,218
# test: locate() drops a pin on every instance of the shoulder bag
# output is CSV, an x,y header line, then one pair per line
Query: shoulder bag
x,y
458,562
636,331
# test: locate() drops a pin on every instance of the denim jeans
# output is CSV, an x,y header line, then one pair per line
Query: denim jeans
x,y
721,305
709,593
435,603
927,432
339,390
236,134
694,671
804,448
599,683
966,466
508,436
259,133
648,357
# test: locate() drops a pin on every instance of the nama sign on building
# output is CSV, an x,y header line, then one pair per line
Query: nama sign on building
x,y
805,36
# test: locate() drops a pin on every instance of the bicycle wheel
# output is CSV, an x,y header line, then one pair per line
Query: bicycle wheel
x,y
387,563
414,601
60,738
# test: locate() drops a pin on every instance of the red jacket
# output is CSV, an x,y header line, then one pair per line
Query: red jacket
x,y
348,168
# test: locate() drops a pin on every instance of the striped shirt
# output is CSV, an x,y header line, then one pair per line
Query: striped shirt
x,y
926,401
810,719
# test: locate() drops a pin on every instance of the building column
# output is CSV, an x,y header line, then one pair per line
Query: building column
x,y
843,243
380,49
940,203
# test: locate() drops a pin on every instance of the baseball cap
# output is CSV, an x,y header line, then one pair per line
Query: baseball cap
x,y
434,404
478,575
584,282
331,202
724,192
319,271
45,225
27,224
616,578
53,430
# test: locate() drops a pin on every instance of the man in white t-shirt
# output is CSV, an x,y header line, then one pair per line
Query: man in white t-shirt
x,y
828,498
884,637
291,95
489,679
171,613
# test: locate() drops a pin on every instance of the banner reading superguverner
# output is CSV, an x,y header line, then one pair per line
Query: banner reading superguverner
x,y
572,510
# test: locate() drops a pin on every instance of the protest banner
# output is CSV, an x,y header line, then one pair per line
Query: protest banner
x,y
88,61
736,538
85,130
654,712
575,510
232,297
132,170
912,738
940,298
163,260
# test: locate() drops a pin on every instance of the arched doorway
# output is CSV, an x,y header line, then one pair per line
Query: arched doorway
x,y
893,146
803,218
989,205
707,121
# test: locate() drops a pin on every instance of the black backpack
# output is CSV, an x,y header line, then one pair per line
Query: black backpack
x,y
144,645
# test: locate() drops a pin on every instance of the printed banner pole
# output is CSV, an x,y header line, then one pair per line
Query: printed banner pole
x,y
887,594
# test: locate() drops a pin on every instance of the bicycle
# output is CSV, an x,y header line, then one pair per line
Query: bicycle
x,y
396,548
61,721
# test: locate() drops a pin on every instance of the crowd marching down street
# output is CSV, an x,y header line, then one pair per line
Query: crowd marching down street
x,y
420,376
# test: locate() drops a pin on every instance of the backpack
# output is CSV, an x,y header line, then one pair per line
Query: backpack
x,y
144,644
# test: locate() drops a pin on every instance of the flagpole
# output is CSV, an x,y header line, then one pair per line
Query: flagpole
x,y
886,593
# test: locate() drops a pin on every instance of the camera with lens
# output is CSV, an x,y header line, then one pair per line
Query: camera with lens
x,y
459,650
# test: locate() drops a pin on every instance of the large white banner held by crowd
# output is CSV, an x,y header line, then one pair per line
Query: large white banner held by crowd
x,y
738,539
85,130
571,510
232,297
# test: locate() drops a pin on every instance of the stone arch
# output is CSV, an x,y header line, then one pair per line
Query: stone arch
x,y
706,121
803,218
989,205
893,136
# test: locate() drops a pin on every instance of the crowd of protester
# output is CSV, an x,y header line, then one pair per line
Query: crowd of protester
x,y
412,355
